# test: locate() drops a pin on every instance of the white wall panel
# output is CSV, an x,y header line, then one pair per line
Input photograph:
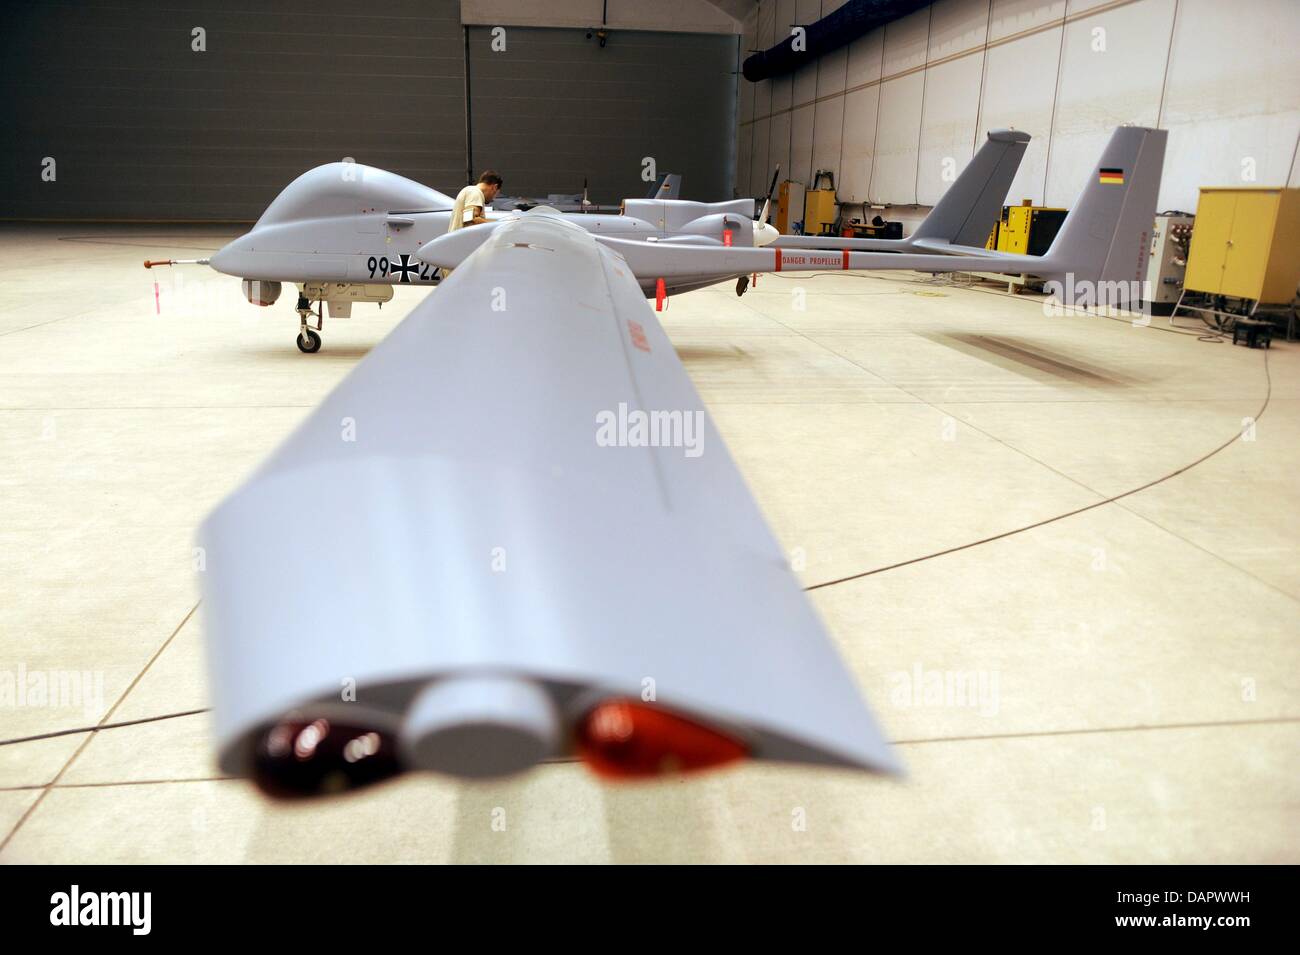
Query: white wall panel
x,y
1083,6
948,134
828,124
762,98
1018,83
763,90
865,59
746,109
1229,94
748,41
894,176
807,12
1108,77
831,72
782,92
759,170
744,159
805,85
833,66
859,146
786,17
905,42
767,24
801,140
1016,16
778,146
957,26
782,86
1233,95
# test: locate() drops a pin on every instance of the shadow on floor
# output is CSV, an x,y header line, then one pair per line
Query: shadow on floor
x,y
1032,360
329,353
700,353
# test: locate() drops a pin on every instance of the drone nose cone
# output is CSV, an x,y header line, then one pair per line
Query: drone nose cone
x,y
231,258
223,258
765,234
480,727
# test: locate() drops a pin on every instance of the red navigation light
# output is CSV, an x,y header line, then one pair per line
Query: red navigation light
x,y
622,739
297,758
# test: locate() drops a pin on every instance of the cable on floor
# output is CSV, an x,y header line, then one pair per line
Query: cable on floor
x,y
1268,394
105,726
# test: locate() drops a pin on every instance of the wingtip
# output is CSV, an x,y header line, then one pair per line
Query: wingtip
x,y
1009,135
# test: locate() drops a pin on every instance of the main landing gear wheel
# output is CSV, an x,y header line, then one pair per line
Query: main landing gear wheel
x,y
308,340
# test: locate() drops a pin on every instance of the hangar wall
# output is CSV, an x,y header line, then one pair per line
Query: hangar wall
x,y
555,107
885,112
141,125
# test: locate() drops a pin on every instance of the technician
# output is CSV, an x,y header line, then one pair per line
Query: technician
x,y
472,201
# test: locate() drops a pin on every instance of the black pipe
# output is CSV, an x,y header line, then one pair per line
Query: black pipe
x,y
856,18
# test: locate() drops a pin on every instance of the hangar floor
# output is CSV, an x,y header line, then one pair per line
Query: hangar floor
x,y
1137,664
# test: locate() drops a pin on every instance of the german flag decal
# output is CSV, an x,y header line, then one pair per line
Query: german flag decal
x,y
1111,177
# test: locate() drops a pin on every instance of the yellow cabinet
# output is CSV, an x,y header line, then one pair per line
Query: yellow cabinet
x,y
818,211
1027,229
1246,243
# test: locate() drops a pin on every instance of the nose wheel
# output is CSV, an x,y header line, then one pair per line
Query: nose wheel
x,y
308,339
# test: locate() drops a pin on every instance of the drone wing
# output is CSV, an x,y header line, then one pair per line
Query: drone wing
x,y
519,484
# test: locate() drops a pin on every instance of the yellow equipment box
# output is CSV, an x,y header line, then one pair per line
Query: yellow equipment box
x,y
818,211
1027,229
1246,243
788,204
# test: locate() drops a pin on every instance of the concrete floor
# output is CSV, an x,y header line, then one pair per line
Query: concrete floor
x,y
1141,659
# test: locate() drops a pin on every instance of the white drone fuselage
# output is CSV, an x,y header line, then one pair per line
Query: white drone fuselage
x,y
344,225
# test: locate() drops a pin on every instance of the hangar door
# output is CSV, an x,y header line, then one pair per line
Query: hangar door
x,y
146,118
553,107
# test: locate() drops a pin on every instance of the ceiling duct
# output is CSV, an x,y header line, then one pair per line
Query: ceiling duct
x,y
854,19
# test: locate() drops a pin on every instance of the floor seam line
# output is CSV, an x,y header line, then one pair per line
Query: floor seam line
x,y
45,790
1264,721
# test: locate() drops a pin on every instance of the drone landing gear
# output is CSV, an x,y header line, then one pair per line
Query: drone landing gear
x,y
742,283
308,339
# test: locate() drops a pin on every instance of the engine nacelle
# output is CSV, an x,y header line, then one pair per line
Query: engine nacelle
x,y
672,215
260,293
717,226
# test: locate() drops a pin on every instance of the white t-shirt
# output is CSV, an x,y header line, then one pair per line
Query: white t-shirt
x,y
462,213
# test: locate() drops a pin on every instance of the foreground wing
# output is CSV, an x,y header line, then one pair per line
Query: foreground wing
x,y
457,511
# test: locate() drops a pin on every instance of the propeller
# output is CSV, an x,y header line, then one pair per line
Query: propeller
x,y
765,234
